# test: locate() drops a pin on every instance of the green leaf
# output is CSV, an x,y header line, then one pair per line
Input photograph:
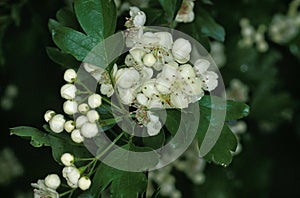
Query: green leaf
x,y
208,26
173,121
59,143
61,58
67,18
221,152
123,184
96,17
155,142
171,7
234,110
71,41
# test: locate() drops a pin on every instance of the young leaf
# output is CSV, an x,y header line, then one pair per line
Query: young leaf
x,y
171,7
123,184
61,58
96,17
208,27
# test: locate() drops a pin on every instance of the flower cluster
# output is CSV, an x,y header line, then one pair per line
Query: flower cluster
x,y
47,187
250,36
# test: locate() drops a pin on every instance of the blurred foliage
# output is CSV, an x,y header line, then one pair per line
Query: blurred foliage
x,y
268,163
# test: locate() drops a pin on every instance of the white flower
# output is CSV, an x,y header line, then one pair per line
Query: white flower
x,y
138,16
68,91
70,75
107,89
186,72
137,54
80,121
149,60
84,183
170,71
92,116
126,95
142,99
70,107
57,123
83,108
149,88
94,100
155,102
163,85
42,191
201,66
153,128
48,115
186,13
67,159
89,130
179,100
146,73
193,87
76,136
127,78
210,80
69,126
165,39
72,175
181,50
52,181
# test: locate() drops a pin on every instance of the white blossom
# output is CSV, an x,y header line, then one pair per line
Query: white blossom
x,y
41,190
52,181
107,89
68,91
70,75
84,183
179,100
70,107
57,123
94,100
89,130
67,159
186,13
69,126
48,115
76,136
181,50
127,78
80,121
149,60
72,175
92,116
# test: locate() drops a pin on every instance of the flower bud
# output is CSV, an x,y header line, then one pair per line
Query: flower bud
x,y
70,75
92,116
57,123
94,100
72,175
84,183
69,126
48,115
80,121
83,108
149,60
67,159
68,91
70,107
89,130
181,50
186,72
52,181
76,136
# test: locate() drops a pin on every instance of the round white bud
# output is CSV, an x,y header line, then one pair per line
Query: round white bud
x,y
107,89
94,100
89,130
149,60
76,136
70,75
83,108
52,181
181,50
70,107
71,174
92,116
69,126
80,121
84,183
48,115
57,123
68,91
67,159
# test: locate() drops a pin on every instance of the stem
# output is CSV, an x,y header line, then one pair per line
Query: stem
x,y
67,192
